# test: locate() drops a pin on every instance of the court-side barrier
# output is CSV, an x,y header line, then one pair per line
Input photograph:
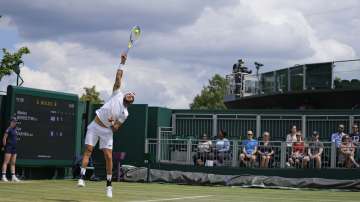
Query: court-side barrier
x,y
274,154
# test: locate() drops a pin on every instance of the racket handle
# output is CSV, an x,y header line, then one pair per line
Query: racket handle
x,y
127,50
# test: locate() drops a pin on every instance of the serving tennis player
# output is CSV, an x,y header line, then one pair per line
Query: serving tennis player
x,y
109,118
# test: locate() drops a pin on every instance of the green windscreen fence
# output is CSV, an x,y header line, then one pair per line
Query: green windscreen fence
x,y
3,124
130,139
316,76
158,117
319,76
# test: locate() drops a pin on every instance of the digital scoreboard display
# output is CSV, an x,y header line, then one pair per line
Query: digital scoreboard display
x,y
47,123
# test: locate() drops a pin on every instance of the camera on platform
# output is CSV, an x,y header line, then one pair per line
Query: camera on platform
x,y
240,68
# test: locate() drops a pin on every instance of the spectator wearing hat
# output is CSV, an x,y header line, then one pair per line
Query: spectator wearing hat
x,y
315,151
9,147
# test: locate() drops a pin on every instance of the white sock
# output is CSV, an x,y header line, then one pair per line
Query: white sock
x,y
82,171
108,177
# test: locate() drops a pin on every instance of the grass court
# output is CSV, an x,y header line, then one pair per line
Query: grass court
x,y
67,191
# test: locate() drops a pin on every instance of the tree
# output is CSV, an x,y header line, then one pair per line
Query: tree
x,y
11,61
211,96
91,95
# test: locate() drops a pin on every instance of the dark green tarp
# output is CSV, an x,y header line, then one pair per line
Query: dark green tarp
x,y
134,174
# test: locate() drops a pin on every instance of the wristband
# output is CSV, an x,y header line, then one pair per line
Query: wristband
x,y
121,67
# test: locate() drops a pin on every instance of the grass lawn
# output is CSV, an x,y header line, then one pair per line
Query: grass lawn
x,y
66,191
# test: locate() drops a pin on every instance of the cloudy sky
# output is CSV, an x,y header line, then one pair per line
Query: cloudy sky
x,y
76,43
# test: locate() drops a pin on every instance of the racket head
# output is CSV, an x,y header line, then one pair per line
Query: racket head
x,y
134,36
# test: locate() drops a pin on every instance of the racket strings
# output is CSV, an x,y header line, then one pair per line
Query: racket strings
x,y
134,36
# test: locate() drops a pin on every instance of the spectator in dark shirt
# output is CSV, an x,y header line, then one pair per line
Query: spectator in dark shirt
x,y
355,135
315,151
9,143
265,151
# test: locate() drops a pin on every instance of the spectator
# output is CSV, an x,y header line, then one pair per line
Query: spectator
x,y
297,153
265,151
248,155
355,135
337,137
347,151
222,147
315,151
9,142
291,137
203,151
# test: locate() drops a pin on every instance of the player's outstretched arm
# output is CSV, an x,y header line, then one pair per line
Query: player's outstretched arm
x,y
118,79
119,72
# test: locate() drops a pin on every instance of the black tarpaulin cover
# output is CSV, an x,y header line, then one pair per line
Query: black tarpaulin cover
x,y
134,174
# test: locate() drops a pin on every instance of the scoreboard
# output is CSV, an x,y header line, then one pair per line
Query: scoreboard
x,y
47,126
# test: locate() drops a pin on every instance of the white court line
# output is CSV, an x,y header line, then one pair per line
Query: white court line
x,y
174,199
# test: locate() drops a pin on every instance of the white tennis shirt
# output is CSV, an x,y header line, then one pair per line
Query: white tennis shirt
x,y
114,109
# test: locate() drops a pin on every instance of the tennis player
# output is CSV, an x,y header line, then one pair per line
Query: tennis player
x,y
109,118
9,143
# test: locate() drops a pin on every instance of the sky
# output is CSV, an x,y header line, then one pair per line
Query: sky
x,y
77,43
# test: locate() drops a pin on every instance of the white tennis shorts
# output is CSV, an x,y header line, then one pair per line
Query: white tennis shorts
x,y
95,133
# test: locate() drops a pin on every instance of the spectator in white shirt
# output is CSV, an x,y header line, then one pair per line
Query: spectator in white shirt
x,y
222,147
204,148
337,137
291,137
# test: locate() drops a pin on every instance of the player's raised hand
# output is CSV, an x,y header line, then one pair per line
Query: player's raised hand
x,y
123,58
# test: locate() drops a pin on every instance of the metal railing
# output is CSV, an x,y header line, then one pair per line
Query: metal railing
x,y
192,125
199,153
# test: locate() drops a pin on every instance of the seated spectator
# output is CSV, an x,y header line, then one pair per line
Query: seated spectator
x,y
291,137
298,152
248,155
265,151
315,151
203,151
355,135
347,151
337,137
222,148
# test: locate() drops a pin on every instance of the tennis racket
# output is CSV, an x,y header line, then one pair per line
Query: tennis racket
x,y
134,36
